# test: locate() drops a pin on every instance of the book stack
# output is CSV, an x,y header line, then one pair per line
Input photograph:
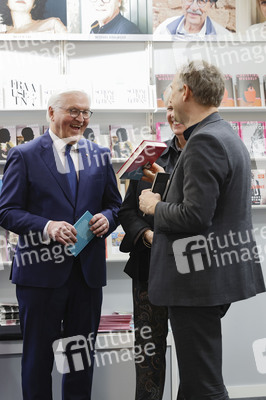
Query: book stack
x,y
115,322
9,314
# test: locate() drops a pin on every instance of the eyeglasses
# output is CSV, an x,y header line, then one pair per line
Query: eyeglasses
x,y
200,3
104,1
75,113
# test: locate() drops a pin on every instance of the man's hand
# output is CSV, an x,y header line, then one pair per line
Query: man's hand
x,y
148,236
148,201
62,232
149,173
99,225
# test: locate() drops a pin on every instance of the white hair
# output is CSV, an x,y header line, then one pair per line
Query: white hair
x,y
55,99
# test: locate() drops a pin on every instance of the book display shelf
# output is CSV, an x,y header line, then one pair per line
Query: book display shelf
x,y
120,76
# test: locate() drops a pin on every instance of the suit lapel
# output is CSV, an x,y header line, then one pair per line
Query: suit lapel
x,y
53,163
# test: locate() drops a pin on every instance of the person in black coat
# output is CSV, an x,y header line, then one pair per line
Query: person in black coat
x,y
150,322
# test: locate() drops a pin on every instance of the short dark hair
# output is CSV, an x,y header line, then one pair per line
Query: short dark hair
x,y
27,133
122,135
4,135
37,11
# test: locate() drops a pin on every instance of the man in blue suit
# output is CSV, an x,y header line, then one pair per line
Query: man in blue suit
x,y
48,184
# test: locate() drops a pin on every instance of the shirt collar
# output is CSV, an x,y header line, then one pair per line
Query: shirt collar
x,y
59,143
181,30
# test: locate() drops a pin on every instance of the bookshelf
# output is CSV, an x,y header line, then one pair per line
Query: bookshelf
x,y
137,60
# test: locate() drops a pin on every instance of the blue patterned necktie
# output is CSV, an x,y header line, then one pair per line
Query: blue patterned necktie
x,y
71,174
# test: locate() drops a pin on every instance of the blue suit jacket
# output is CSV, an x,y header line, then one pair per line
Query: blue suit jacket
x,y
35,190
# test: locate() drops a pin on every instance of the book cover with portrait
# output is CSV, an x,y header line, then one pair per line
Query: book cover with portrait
x,y
258,187
26,133
162,81
7,140
254,137
228,99
35,17
174,18
92,133
122,140
248,90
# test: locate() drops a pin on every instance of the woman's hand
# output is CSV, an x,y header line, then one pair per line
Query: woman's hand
x,y
149,173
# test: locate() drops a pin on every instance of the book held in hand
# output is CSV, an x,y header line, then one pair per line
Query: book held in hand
x,y
84,234
146,153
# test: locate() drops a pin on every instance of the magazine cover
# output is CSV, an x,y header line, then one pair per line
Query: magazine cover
x,y
258,186
92,133
163,131
228,99
175,18
248,90
113,243
122,140
235,126
264,88
7,140
19,17
162,81
253,135
26,133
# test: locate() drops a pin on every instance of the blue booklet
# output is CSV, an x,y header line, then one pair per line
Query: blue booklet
x,y
84,234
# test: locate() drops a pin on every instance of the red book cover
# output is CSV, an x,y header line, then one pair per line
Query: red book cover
x,y
146,153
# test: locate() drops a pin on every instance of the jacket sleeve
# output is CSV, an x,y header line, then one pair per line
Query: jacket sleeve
x,y
205,170
131,218
13,200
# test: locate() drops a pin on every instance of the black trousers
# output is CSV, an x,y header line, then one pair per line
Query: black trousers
x,y
151,327
198,341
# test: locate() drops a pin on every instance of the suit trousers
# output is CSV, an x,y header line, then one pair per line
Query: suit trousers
x,y
198,341
47,314
151,327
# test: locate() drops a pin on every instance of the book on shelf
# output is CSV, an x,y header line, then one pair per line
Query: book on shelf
x,y
253,135
115,322
113,242
7,140
120,95
9,314
235,126
228,98
163,131
258,186
248,90
162,81
264,88
26,133
92,133
22,94
121,140
145,154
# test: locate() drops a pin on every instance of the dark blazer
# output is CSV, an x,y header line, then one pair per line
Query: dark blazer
x,y
134,223
35,191
208,206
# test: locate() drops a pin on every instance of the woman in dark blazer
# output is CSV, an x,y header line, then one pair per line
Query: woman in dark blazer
x,y
151,322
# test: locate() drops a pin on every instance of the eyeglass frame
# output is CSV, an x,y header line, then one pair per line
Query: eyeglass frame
x,y
104,1
197,1
71,110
